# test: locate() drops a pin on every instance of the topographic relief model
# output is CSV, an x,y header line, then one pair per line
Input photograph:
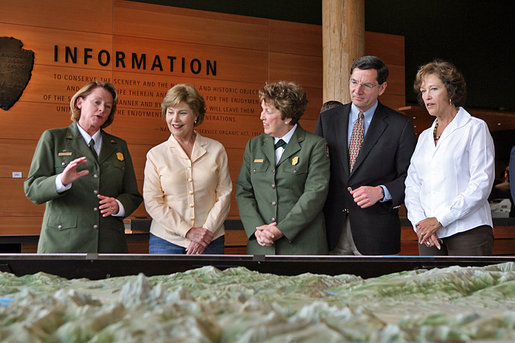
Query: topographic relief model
x,y
238,305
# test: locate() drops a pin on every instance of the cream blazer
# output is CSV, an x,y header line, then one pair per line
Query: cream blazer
x,y
181,193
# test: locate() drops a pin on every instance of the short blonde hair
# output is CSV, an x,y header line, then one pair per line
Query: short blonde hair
x,y
185,93
87,90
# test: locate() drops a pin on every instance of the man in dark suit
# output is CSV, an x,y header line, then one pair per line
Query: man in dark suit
x,y
370,146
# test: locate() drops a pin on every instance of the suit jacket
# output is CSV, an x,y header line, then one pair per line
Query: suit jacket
x,y
72,222
291,193
383,160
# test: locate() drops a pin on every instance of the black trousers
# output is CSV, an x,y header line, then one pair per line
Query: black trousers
x,y
476,242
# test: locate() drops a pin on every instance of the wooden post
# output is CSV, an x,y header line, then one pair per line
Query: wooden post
x,y
343,41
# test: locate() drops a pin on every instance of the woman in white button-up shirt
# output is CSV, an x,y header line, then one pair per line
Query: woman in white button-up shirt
x,y
451,171
187,188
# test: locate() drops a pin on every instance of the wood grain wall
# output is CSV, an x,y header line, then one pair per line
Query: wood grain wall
x,y
227,57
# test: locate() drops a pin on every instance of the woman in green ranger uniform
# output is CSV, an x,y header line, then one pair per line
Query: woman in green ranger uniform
x,y
86,178
283,180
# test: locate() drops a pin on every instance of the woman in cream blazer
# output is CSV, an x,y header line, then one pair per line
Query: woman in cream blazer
x,y
187,188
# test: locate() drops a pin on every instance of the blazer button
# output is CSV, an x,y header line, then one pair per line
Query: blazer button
x,y
345,210
95,192
95,209
294,171
272,219
59,227
95,176
63,163
273,185
274,203
273,171
95,226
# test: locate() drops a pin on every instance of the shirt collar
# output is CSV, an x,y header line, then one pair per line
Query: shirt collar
x,y
97,137
368,114
286,138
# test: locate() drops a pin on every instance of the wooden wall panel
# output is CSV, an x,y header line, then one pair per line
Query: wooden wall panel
x,y
390,48
314,103
16,156
393,100
395,81
21,226
43,40
183,25
288,37
235,156
77,15
306,70
139,157
27,120
16,204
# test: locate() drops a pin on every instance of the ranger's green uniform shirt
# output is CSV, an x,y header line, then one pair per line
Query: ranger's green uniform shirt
x,y
72,222
291,193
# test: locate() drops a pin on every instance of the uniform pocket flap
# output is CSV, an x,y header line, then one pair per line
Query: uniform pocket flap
x,y
63,223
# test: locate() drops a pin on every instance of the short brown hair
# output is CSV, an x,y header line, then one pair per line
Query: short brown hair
x,y
450,76
87,90
185,93
288,97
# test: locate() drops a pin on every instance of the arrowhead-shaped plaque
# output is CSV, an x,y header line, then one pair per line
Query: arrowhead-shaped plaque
x,y
15,70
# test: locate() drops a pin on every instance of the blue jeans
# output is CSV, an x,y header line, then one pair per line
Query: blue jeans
x,y
158,245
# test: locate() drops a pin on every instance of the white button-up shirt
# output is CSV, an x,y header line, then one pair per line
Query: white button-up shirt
x,y
286,138
452,180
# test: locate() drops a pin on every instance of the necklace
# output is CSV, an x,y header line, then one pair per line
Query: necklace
x,y
435,136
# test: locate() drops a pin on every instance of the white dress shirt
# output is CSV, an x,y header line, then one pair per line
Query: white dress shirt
x,y
286,138
182,192
452,180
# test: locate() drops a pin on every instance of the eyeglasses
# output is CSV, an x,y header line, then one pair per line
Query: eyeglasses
x,y
356,83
